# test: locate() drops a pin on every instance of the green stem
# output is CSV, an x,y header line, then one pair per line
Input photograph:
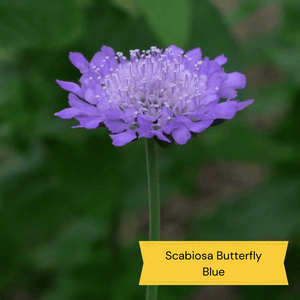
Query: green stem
x,y
154,205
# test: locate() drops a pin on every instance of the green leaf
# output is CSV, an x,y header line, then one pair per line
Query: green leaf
x,y
169,19
40,24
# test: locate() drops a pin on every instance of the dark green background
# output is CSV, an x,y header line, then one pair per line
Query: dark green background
x,y
73,207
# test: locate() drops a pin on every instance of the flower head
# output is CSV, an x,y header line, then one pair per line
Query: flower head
x,y
168,95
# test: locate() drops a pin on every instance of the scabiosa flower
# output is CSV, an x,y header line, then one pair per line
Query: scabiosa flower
x,y
166,95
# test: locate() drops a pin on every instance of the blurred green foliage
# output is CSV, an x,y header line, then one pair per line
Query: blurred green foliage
x,y
70,201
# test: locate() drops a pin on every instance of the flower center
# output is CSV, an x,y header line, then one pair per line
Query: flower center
x,y
152,80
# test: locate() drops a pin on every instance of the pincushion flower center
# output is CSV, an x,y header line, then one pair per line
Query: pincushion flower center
x,y
151,82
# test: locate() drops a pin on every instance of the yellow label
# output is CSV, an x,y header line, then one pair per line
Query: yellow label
x,y
213,263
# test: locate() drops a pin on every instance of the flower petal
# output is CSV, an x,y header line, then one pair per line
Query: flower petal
x,y
228,93
123,138
244,104
225,110
216,79
114,114
92,124
160,135
115,126
75,102
235,80
144,125
181,134
83,120
79,61
68,113
213,67
90,96
71,87
209,98
146,134
175,50
200,126
108,51
84,107
204,67
195,55
168,128
209,106
104,60
182,119
221,60
164,114
97,59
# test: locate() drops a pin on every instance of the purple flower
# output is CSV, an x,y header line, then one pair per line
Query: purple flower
x,y
166,95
